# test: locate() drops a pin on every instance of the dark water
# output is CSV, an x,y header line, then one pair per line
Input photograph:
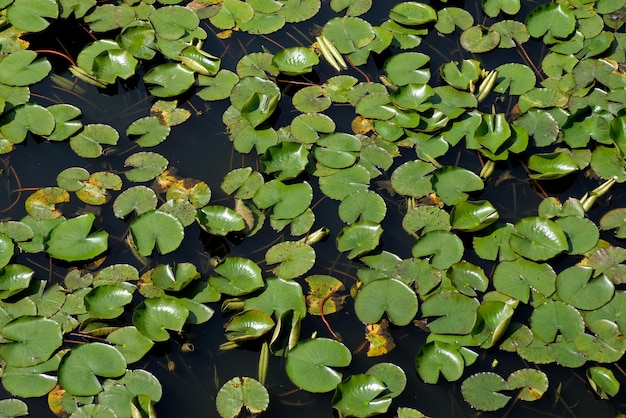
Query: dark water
x,y
200,149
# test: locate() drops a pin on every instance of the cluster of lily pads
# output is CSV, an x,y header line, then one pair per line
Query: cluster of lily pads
x,y
568,113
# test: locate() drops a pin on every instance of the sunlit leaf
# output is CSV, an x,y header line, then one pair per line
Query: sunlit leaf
x,y
482,391
241,392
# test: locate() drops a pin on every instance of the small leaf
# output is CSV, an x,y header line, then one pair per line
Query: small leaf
x,y
482,391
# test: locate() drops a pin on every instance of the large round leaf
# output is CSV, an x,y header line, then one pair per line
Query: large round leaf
x,y
170,79
412,13
29,15
444,247
237,276
220,220
517,278
473,216
358,396
392,296
286,200
452,184
14,278
241,392
436,358
538,238
575,286
88,142
295,60
295,258
482,391
556,317
131,343
107,301
248,325
154,316
309,364
278,297
156,228
33,381
456,312
30,340
72,241
80,367
285,160
359,238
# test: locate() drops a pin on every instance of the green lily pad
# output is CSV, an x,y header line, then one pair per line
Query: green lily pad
x,y
552,166
533,383
362,205
65,120
146,166
348,33
309,364
248,325
238,276
603,381
473,216
30,382
615,219
231,12
306,128
278,297
359,396
286,160
14,278
154,316
444,247
478,39
173,22
408,68
423,219
582,234
295,258
556,317
538,238
575,286
543,127
220,220
516,278
295,60
412,13
449,18
13,408
286,200
156,228
30,15
131,343
461,77
72,240
359,238
311,99
80,367
456,312
554,18
386,295
337,150
170,79
344,182
107,301
138,38
123,396
435,358
452,184
31,340
241,392
29,117
412,178
468,278
148,131
482,391
88,142
218,87
139,199
492,8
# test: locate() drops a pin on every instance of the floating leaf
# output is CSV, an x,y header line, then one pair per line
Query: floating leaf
x,y
241,392
286,160
30,340
72,240
21,68
452,184
473,216
538,238
295,60
359,238
603,381
309,364
555,18
516,278
278,297
295,258
107,301
154,316
322,290
146,166
615,219
457,312
386,295
379,339
148,131
408,67
412,13
88,142
362,205
444,247
238,276
248,325
477,39
156,228
575,286
29,117
435,358
358,396
139,199
131,343
220,220
80,367
286,201
482,391
170,79
30,382
348,33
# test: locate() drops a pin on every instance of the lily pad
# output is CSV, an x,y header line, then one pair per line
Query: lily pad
x,y
241,392
31,340
155,316
603,381
156,228
145,166
359,238
220,220
482,391
452,184
278,297
435,358
72,240
359,396
295,60
238,276
295,258
456,312
386,295
444,247
139,199
412,13
309,364
248,325
538,238
88,142
80,367
32,381
575,286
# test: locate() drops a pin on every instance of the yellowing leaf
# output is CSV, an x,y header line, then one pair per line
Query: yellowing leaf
x,y
379,338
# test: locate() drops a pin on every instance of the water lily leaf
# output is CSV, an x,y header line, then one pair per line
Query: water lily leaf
x,y
31,340
146,166
362,205
461,77
71,240
323,289
278,297
139,199
299,10
408,68
468,278
554,18
482,391
541,125
359,238
582,234
148,131
552,165
608,261
575,286
456,312
352,7
174,280
80,367
295,60
113,63
237,276
195,192
66,121
173,22
452,184
391,375
256,98
412,13
478,39
170,79
295,258
358,396
29,15
131,343
445,248
154,316
231,12
493,132
40,228
107,301
243,183
156,228
533,383
41,204
607,346
218,87
17,122
556,317
435,358
220,220
311,99
423,219
607,162
516,278
108,17
473,216
514,77
88,142
29,382
450,17
286,201
492,8
7,250
412,178
603,381
263,23
337,150
386,295
138,39
306,128
239,392
379,339
95,189
285,160
348,33
493,319
511,33
538,238
615,219
309,364
119,394
248,325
